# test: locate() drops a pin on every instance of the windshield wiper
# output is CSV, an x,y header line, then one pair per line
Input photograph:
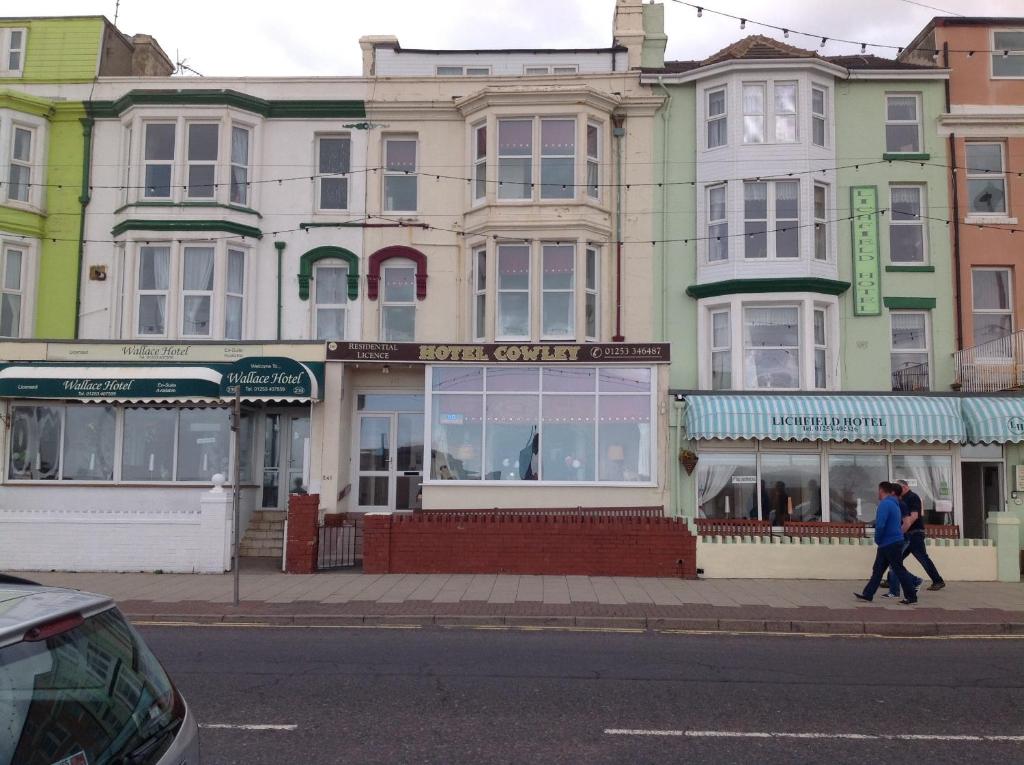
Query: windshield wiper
x,y
140,754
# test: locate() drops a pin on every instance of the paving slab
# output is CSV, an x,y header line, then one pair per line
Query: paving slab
x,y
480,588
430,587
454,589
505,590
531,588
556,590
581,589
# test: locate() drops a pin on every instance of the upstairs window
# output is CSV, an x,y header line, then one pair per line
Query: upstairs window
x,y
400,181
234,306
593,160
480,293
771,347
202,160
330,282
153,285
902,124
20,181
819,119
557,158
1008,58
753,113
197,291
334,155
992,306
12,285
158,155
480,162
718,224
820,350
785,112
12,51
721,351
559,69
558,306
820,221
515,159
716,118
398,308
513,320
592,303
909,355
771,205
239,165
986,178
462,71
906,225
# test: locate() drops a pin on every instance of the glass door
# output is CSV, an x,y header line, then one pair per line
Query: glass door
x,y
285,458
271,462
298,455
409,461
390,461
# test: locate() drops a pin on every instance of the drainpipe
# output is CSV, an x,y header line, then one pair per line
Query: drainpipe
x,y
673,458
279,246
83,200
618,131
957,279
666,110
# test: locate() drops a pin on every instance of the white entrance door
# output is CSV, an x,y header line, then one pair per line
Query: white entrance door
x,y
285,457
390,454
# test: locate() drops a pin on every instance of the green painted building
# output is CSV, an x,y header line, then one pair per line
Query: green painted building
x,y
44,165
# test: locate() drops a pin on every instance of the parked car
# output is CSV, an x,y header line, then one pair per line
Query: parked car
x,y
78,686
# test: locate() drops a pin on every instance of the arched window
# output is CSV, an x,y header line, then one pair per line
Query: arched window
x,y
334,272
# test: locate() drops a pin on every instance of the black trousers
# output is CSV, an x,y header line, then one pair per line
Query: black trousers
x,y
890,557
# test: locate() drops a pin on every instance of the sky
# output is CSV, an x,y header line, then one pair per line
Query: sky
x,y
321,37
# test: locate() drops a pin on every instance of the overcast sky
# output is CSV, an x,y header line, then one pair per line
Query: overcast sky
x,y
320,37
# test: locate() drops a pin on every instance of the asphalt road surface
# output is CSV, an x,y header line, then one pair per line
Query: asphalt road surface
x,y
496,696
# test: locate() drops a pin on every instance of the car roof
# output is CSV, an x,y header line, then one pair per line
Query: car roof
x,y
23,606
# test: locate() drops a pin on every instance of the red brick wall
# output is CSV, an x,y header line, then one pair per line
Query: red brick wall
x,y
551,544
300,546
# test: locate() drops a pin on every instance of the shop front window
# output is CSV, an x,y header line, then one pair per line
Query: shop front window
x,y
35,437
89,437
792,487
931,478
553,424
149,445
853,486
727,486
204,444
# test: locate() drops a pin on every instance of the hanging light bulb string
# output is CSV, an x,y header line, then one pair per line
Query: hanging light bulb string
x,y
786,31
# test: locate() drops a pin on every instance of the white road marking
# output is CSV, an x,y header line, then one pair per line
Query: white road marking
x,y
232,726
826,736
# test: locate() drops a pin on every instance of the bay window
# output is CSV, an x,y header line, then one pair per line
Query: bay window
x,y
557,158
558,304
197,291
513,305
819,118
21,157
771,205
480,162
153,285
202,159
551,424
398,308
13,265
820,221
902,123
986,178
721,351
400,180
786,112
239,165
515,159
158,157
771,347
910,355
718,223
330,297
906,225
592,293
716,118
334,155
753,112
234,306
593,160
992,305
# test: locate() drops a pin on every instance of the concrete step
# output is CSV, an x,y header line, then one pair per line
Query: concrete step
x,y
260,550
263,536
264,526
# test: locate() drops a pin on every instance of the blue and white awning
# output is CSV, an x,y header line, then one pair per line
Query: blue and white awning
x,y
909,419
995,420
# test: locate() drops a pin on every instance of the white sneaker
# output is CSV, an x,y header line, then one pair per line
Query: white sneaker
x,y
890,595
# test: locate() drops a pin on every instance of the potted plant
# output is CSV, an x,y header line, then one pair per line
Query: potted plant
x,y
688,459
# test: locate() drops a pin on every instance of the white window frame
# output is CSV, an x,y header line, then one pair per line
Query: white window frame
x,y
593,166
456,70
801,351
920,222
242,168
821,228
819,117
21,292
997,52
592,292
342,177
342,306
240,295
994,311
405,138
927,350
184,294
718,228
7,48
522,192
22,163
772,222
538,70
528,290
479,161
479,255
394,265
763,86
794,115
977,176
570,290
916,122
136,329
190,163
711,120
720,349
820,347
571,189
170,163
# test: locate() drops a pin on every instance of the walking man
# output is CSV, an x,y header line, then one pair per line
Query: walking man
x,y
894,583
889,538
913,527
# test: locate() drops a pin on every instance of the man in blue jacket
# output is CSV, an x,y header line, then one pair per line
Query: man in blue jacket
x,y
889,538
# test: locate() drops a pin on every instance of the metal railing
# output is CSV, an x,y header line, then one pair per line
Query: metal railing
x,y
336,546
911,378
992,366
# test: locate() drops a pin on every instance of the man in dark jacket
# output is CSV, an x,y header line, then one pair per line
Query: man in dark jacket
x,y
913,528
889,538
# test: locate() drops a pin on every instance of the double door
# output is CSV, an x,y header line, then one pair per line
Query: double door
x,y
285,458
390,461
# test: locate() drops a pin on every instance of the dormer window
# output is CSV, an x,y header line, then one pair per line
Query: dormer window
x,y
1008,55
559,69
462,71
12,51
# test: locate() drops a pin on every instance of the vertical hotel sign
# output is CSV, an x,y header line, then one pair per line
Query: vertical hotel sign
x,y
867,281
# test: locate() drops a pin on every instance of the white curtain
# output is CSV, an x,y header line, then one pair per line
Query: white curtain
x,y
711,479
199,268
906,203
753,99
643,461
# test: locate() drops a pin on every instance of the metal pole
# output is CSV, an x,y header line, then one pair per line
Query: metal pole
x,y
236,487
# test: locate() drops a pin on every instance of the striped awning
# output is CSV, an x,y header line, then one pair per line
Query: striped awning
x,y
912,419
995,420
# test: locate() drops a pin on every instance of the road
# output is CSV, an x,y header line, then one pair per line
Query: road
x,y
496,696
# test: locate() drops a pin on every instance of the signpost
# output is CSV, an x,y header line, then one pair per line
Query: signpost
x,y
236,484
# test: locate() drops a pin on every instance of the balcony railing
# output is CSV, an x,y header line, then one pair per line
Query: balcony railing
x,y
992,366
911,378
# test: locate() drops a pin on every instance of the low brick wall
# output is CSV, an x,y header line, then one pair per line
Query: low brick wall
x,y
300,545
493,543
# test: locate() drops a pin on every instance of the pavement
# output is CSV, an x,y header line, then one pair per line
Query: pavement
x,y
349,597
426,695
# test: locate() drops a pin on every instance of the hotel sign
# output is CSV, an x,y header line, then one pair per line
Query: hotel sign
x,y
818,425
500,353
867,280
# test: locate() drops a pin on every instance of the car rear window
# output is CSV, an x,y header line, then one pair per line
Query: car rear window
x,y
92,694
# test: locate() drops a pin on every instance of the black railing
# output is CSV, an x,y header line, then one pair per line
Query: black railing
x,y
911,378
336,546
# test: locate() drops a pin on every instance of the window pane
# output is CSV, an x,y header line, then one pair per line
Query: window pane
x,y
559,311
817,101
901,108
753,130
557,137
987,195
513,314
148,451
239,146
458,379
556,176
909,331
513,379
514,178
34,442
591,269
204,438
12,270
559,264
716,198
22,145
984,158
906,203
1002,66
721,370
792,483
593,142
89,443
233,318
853,486
819,202
202,142
153,268
152,314
239,187
624,438
200,180
331,284
726,485
906,244
481,142
196,319
991,289
399,284
718,246
159,142
624,380
236,271
590,313
901,138
513,267
569,379
334,193
568,447
785,98
819,328
515,138
720,336
1003,41
716,103
158,180
198,268
399,323
991,326
400,192
930,477
400,155
10,315
755,200
717,133
456,434
785,129
21,177
330,324
787,195
512,451
819,131
334,155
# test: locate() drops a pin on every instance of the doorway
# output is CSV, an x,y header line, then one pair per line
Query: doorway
x,y
388,451
982,486
285,457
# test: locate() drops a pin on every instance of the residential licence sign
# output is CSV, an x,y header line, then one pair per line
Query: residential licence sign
x,y
867,280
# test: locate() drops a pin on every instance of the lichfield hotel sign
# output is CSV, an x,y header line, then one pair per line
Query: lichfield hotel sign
x,y
500,353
